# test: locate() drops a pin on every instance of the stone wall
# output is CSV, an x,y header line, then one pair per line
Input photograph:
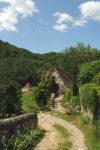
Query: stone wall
x,y
13,126
59,81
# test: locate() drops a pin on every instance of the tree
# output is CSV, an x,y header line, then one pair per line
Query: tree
x,y
74,57
10,90
88,71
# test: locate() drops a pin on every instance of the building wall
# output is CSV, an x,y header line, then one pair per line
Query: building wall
x,y
59,81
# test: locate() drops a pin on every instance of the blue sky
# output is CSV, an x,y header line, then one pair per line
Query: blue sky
x,y
50,25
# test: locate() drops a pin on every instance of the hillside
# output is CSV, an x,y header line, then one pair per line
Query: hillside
x,y
10,51
40,61
69,60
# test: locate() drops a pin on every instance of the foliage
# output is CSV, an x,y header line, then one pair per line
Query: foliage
x,y
67,97
84,120
75,101
96,79
98,90
43,91
29,140
74,57
92,140
51,86
88,96
70,100
10,90
88,71
9,98
40,95
22,141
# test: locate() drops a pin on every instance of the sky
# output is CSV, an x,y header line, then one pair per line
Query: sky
x,y
43,26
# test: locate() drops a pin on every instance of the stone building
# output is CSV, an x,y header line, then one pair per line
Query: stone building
x,y
27,88
63,80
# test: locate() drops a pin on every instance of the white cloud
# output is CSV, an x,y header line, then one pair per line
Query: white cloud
x,y
9,14
63,19
61,27
8,19
90,10
80,22
24,7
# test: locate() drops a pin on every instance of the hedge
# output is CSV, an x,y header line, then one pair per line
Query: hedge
x,y
88,96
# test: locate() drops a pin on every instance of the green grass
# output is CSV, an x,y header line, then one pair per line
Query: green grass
x,y
28,103
92,141
23,141
90,131
66,145
66,117
30,140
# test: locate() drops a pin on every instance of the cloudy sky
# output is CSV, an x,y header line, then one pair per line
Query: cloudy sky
x,y
50,25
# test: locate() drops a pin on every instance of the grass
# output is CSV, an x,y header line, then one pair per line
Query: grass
x,y
30,140
23,141
92,141
66,145
70,118
90,131
28,103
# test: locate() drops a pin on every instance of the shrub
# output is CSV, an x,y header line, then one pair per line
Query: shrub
x,y
96,79
88,96
43,91
40,95
84,120
75,101
51,87
67,97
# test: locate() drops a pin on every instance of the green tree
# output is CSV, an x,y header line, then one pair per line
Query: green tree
x,y
88,71
74,57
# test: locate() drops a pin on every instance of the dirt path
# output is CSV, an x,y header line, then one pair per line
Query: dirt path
x,y
52,138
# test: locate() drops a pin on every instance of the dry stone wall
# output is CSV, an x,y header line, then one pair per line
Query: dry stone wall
x,y
16,125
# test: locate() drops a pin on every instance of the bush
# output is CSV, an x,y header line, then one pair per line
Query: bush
x,y
75,101
51,87
43,92
88,96
96,79
67,97
84,120
40,95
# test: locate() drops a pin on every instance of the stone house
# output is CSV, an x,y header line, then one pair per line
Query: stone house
x,y
63,79
27,88
64,82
